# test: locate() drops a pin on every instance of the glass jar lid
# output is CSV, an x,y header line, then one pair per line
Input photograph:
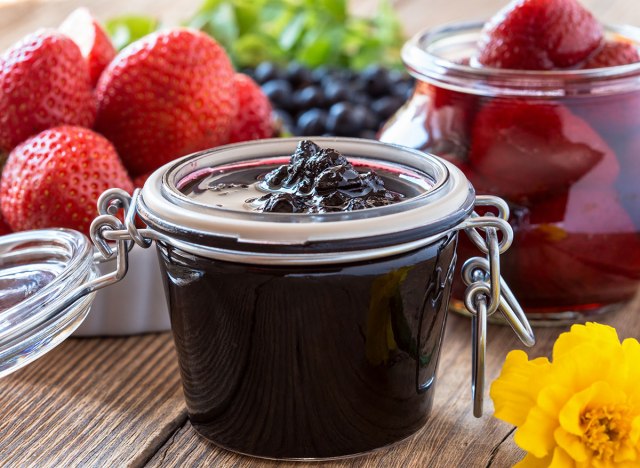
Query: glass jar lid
x,y
441,197
443,56
39,270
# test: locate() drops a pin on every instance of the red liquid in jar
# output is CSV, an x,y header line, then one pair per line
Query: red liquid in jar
x,y
569,167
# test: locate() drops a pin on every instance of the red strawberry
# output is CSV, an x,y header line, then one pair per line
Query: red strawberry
x,y
525,150
44,82
164,96
139,181
612,54
590,256
95,45
253,120
540,35
4,227
54,179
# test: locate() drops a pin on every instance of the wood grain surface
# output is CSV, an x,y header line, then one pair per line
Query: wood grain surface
x,y
118,401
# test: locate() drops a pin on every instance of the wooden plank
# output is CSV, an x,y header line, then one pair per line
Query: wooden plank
x,y
452,437
106,402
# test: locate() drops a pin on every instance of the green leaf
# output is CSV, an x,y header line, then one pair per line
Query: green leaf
x,y
126,29
251,49
221,24
292,33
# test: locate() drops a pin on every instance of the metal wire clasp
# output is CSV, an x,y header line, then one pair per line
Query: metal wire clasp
x,y
486,291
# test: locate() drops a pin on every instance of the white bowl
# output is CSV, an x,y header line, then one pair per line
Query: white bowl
x,y
134,305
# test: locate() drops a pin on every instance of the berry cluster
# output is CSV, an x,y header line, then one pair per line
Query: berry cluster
x,y
326,101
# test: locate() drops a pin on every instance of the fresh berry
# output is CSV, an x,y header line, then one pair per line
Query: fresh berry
x,y
4,227
308,97
54,179
44,82
312,122
253,120
95,45
139,181
346,119
613,54
298,75
386,106
523,151
326,101
570,247
267,71
540,35
279,93
166,95
375,80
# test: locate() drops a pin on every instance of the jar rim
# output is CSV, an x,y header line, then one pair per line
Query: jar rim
x,y
164,208
425,65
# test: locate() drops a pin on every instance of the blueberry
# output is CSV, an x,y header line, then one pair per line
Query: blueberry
x,y
336,91
278,92
360,98
368,134
371,120
308,97
396,76
319,73
312,122
267,71
375,80
386,106
298,75
403,90
345,119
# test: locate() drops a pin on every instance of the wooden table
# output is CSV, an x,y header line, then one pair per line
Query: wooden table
x,y
118,401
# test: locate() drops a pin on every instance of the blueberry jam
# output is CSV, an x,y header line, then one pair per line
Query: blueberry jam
x,y
313,180
322,180
309,361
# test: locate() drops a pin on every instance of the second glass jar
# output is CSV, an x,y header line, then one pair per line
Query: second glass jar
x,y
563,147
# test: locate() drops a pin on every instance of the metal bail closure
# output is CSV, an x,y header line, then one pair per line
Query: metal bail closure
x,y
487,292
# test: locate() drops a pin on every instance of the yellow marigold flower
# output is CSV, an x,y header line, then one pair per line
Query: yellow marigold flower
x,y
582,409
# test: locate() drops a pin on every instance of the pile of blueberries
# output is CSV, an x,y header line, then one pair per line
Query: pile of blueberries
x,y
326,101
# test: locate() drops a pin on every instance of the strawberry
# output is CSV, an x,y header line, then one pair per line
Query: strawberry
x,y
4,227
93,41
590,255
44,82
612,54
139,181
526,150
253,120
54,179
539,35
164,96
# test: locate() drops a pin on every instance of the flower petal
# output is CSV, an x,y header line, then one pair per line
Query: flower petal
x,y
514,392
536,434
595,333
561,459
529,461
571,444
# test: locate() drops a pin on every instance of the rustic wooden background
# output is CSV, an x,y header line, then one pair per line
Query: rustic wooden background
x,y
118,401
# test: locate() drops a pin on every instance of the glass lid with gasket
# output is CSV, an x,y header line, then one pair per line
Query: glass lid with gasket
x,y
37,271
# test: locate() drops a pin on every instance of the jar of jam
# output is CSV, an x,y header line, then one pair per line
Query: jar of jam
x,y
560,146
308,294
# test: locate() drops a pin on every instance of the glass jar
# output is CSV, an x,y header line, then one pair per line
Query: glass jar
x,y
560,146
306,335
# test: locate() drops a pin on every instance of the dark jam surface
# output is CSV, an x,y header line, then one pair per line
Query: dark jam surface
x,y
312,180
318,180
309,361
